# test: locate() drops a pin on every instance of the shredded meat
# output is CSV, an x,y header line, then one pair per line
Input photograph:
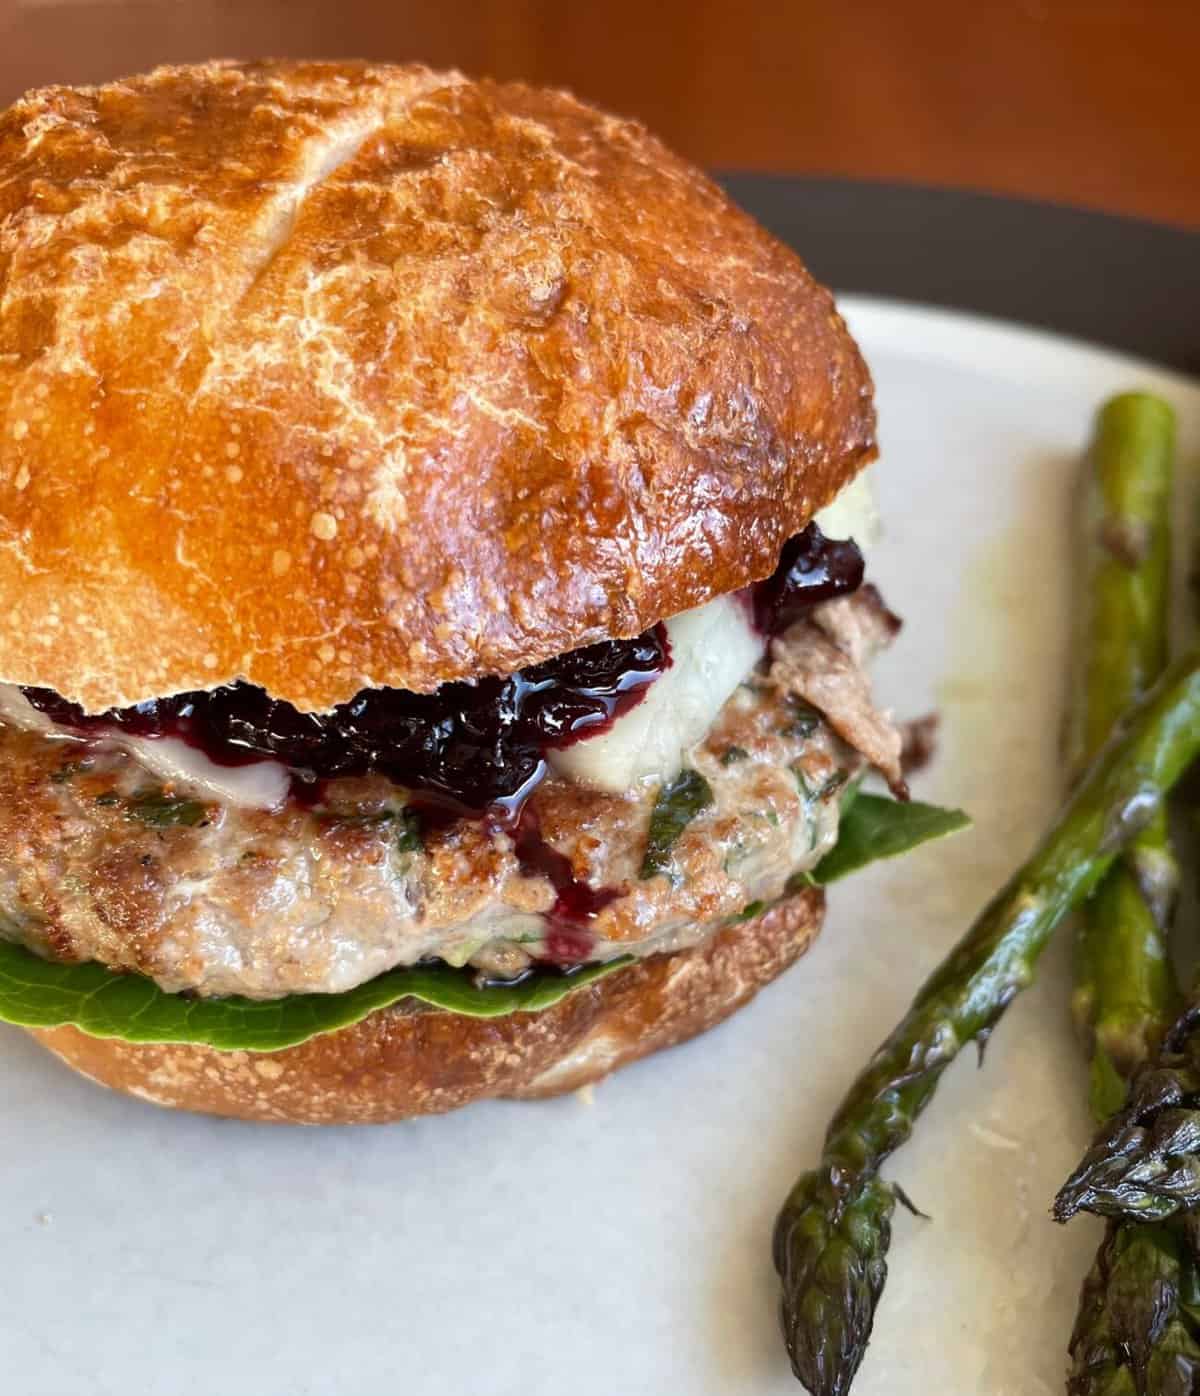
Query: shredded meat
x,y
862,625
920,736
820,660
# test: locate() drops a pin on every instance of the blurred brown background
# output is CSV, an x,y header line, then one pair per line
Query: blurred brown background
x,y
1092,102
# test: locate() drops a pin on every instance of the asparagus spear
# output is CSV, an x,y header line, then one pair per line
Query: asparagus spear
x,y
1134,1335
1128,543
1144,1164
831,1237
1125,994
1131,1332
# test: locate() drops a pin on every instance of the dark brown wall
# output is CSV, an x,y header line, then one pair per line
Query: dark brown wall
x,y
1090,101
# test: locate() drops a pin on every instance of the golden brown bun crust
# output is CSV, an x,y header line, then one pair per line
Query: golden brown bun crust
x,y
397,1064
328,375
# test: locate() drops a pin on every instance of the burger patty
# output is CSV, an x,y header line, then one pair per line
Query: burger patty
x,y
97,862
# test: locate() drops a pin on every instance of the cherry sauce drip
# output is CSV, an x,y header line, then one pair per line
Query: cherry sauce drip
x,y
479,748
568,940
812,569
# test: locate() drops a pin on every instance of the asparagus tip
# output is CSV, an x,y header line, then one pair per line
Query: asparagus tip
x,y
830,1245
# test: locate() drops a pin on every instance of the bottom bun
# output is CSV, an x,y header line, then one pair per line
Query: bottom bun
x,y
411,1060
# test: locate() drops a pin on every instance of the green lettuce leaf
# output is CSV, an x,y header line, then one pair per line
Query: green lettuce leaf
x,y
874,827
38,993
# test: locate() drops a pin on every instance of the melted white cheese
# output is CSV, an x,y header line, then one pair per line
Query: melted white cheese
x,y
853,514
17,710
713,648
258,785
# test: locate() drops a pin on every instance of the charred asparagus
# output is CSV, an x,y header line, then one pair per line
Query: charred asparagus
x,y
832,1234
1125,995
1131,1332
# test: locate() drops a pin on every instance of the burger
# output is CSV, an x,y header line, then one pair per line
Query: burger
x,y
430,523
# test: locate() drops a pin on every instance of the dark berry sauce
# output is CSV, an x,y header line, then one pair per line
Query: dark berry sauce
x,y
812,569
479,748
568,939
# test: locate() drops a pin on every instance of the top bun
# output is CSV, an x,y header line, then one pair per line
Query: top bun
x,y
326,376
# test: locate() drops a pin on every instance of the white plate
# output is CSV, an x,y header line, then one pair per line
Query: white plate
x,y
622,1246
